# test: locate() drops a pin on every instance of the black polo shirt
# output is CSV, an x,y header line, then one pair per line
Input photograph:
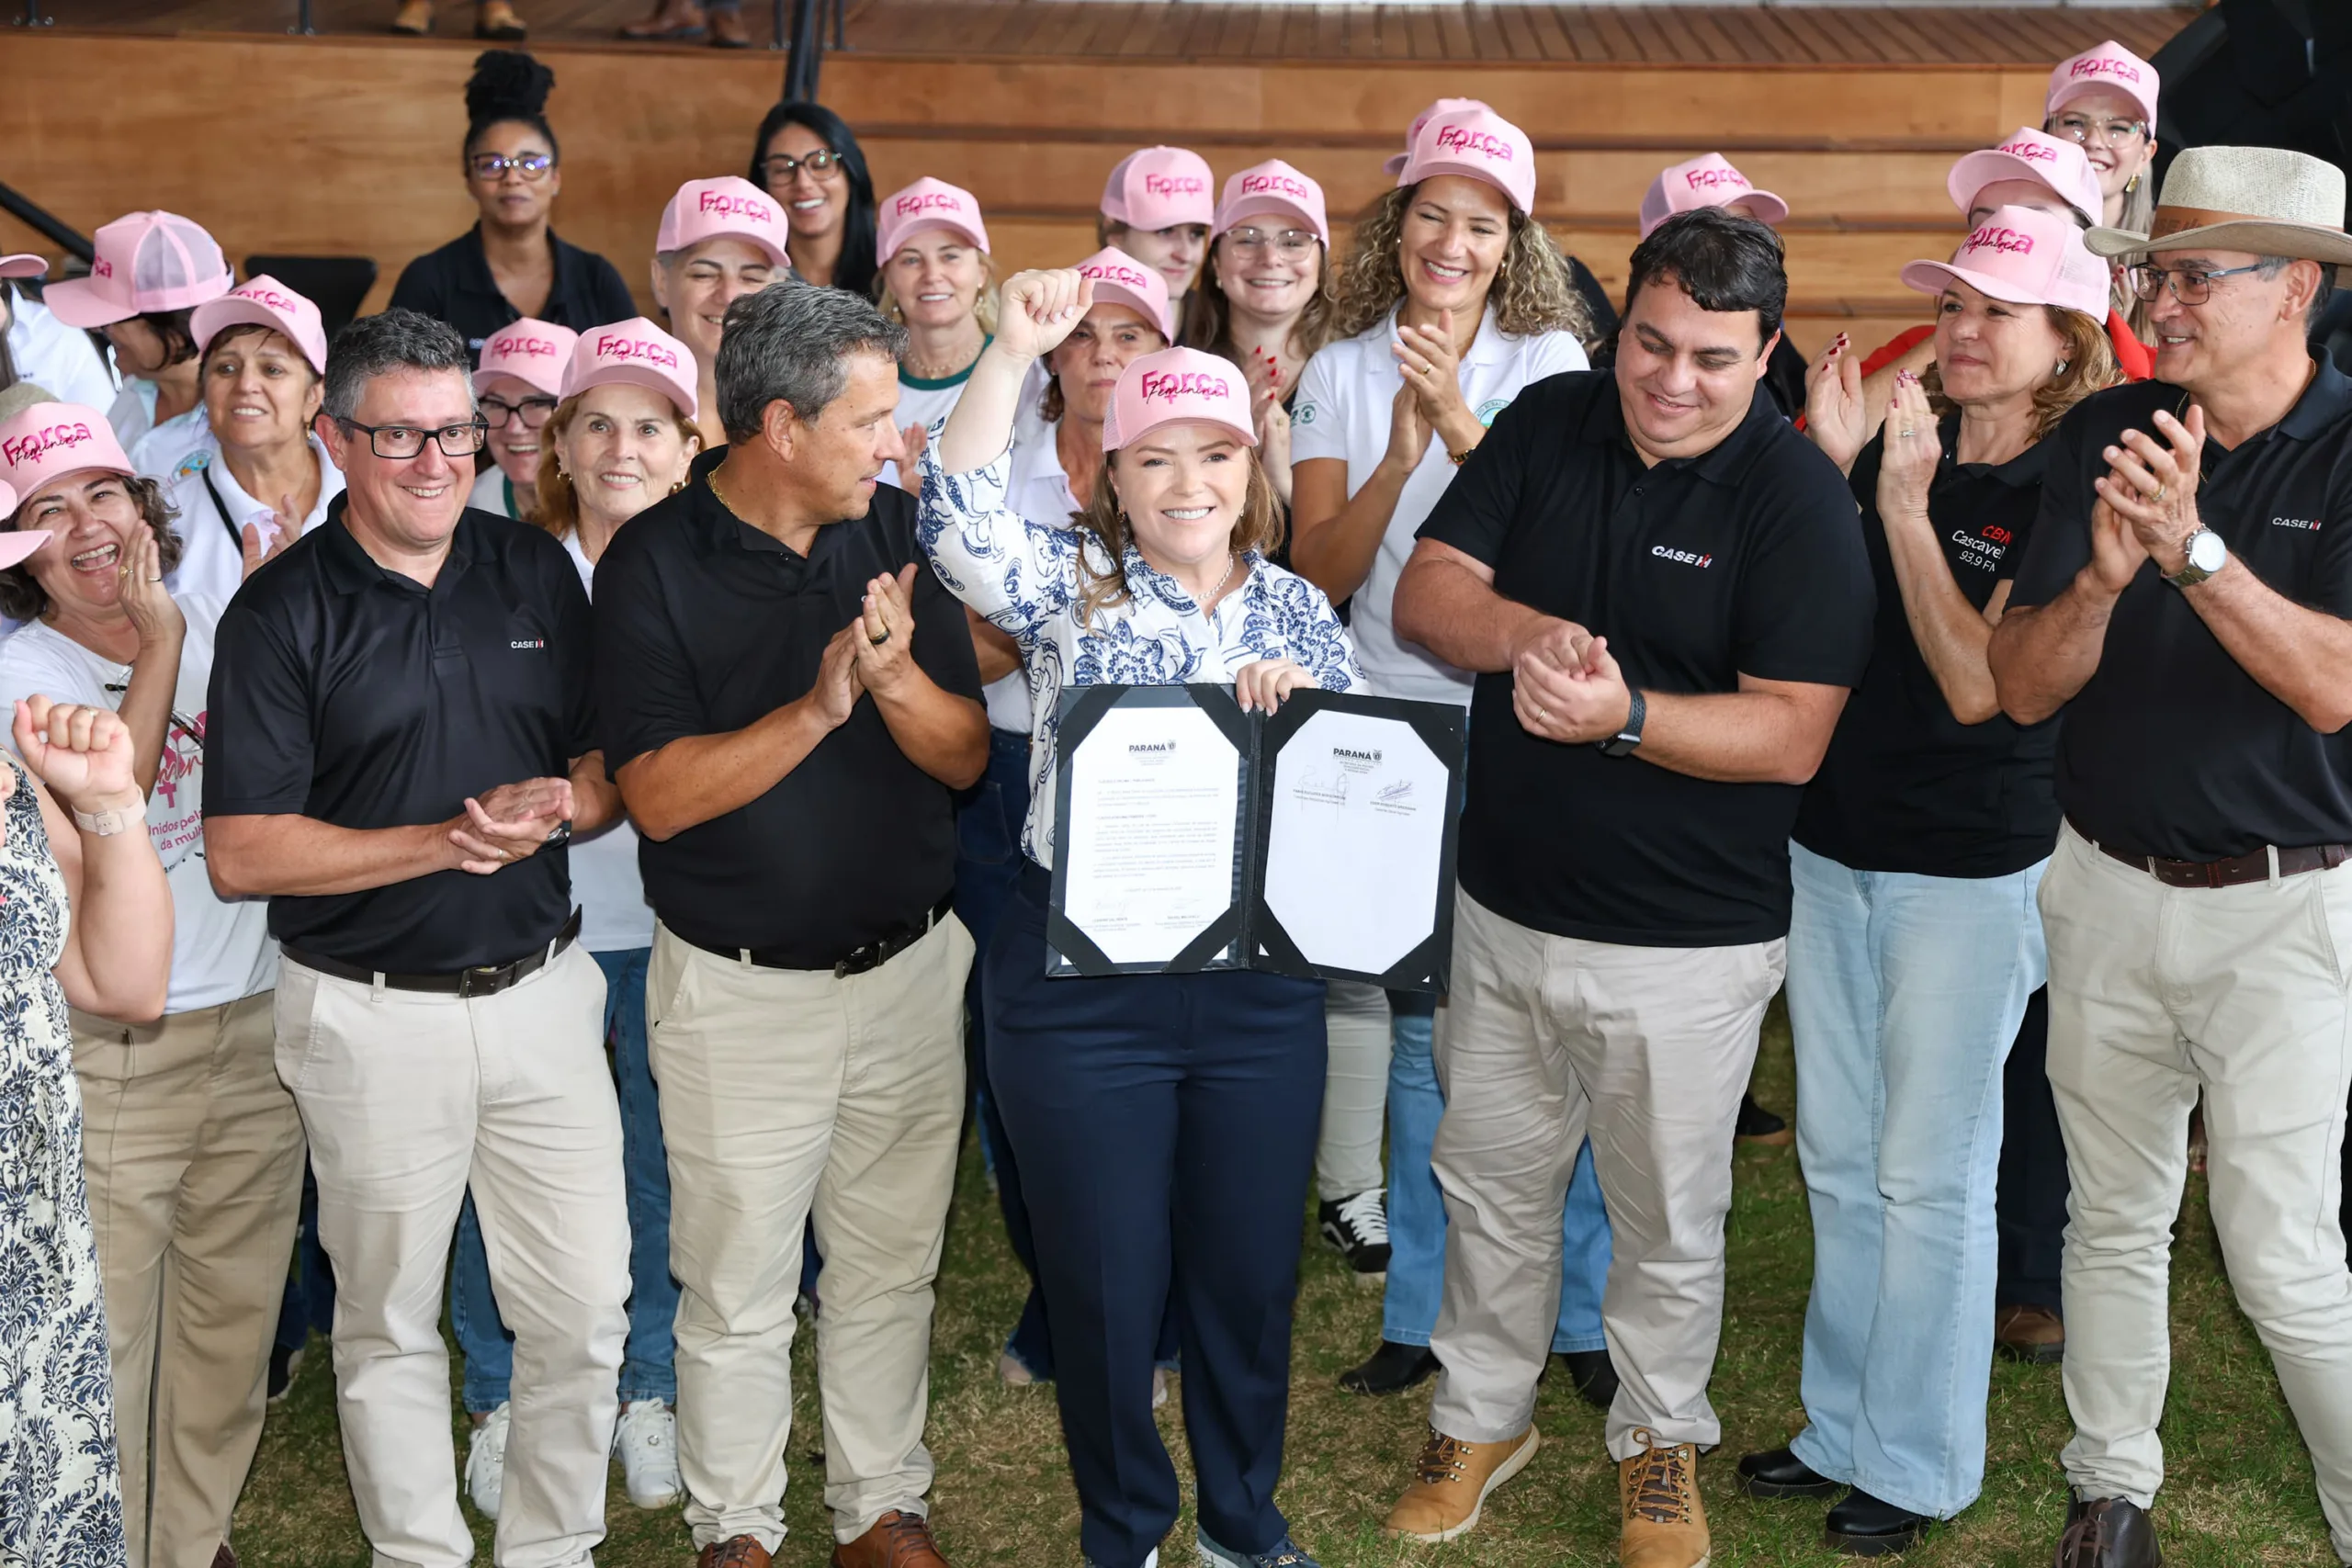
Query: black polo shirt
x,y
454,285
2171,748
705,625
1745,560
1907,786
358,697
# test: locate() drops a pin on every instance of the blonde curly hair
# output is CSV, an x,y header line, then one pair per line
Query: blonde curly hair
x,y
1531,292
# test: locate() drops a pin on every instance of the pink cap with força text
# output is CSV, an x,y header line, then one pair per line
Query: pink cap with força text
x,y
2109,65
1120,279
1706,181
148,260
22,266
1273,186
265,302
1158,187
49,441
1177,386
634,352
2022,255
929,204
1396,161
2031,154
534,352
1478,142
728,207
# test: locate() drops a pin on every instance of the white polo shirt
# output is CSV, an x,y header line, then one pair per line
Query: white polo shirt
x,y
494,491
212,562
59,359
1345,399
613,915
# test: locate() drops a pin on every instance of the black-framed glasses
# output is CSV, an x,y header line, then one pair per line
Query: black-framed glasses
x,y
821,165
493,165
1290,241
530,413
2083,130
399,441
2191,285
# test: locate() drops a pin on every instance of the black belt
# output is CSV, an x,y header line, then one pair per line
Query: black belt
x,y
856,961
482,980
2234,871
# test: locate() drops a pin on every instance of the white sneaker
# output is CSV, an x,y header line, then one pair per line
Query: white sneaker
x,y
646,1442
486,1461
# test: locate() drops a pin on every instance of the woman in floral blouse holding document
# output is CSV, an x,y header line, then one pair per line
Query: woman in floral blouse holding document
x,y
1164,1123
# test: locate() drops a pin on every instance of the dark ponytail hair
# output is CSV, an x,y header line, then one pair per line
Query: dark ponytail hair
x,y
857,269
508,86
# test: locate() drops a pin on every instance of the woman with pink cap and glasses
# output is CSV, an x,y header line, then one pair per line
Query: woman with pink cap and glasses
x,y
1267,300
261,477
150,271
517,382
2104,101
1915,943
1157,206
719,239
1166,1122
193,1159
938,282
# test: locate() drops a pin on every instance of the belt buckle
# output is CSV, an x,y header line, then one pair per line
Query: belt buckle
x,y
857,961
481,980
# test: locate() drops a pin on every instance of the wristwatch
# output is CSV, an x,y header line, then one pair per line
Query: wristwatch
x,y
2207,554
1622,744
105,823
560,834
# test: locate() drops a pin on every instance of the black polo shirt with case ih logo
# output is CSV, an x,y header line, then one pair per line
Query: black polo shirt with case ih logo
x,y
2171,748
1746,558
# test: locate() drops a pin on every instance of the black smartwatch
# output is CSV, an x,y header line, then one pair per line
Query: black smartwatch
x,y
1622,744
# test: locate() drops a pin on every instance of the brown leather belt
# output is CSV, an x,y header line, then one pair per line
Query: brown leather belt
x,y
484,980
2231,873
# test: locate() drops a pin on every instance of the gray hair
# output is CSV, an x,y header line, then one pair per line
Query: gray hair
x,y
787,341
377,346
2271,267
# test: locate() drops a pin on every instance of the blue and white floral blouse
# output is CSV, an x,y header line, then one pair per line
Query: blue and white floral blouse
x,y
1022,576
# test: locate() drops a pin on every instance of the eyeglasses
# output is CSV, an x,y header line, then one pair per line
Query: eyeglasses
x,y
2189,284
821,165
1290,241
399,442
493,165
530,413
2081,129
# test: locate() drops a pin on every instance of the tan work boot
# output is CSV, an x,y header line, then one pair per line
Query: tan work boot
x,y
1452,1480
414,18
1658,1496
497,20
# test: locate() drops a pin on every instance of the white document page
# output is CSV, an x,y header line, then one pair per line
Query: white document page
x,y
1355,841
1150,841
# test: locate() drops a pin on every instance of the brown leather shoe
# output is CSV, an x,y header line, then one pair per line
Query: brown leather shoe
x,y
2110,1533
674,21
497,20
899,1539
727,29
2032,1333
414,18
1451,1481
225,1558
735,1551
1657,1496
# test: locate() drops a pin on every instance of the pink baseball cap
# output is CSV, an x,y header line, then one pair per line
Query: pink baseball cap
x,y
17,546
1177,386
2025,256
1272,186
148,260
635,353
1120,279
1396,161
49,441
2109,65
22,266
1708,181
2031,154
1478,143
1158,187
728,207
929,204
264,301
532,351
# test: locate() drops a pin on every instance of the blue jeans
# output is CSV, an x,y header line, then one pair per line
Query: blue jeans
x,y
1417,1210
647,1371
1904,994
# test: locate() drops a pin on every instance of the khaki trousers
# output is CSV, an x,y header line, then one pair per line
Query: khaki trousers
x,y
1543,1039
410,1099
194,1155
787,1093
2156,992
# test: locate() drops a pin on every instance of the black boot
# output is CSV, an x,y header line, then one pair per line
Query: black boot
x,y
1392,1368
1594,1374
1780,1474
1865,1526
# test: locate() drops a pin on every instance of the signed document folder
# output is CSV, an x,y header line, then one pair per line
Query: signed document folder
x,y
1318,842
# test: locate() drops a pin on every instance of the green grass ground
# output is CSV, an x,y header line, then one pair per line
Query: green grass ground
x,y
2239,1492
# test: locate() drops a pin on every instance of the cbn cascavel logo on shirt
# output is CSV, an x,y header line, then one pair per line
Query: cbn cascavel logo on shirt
x,y
727,206
1174,184
635,348
49,438
2001,239
1280,184
1167,386
1688,558
1707,179
1461,139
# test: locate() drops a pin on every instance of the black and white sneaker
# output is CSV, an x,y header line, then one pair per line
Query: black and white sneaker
x,y
1357,1229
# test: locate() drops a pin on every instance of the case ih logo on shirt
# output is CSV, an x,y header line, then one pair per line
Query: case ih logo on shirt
x,y
1108,272
1167,386
2122,70
2031,151
523,345
727,206
1174,184
2309,525
1278,185
643,348
1707,179
1688,558
1486,144
2003,240
40,443
929,201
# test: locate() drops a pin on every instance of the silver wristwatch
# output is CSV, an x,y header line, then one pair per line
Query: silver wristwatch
x,y
2207,554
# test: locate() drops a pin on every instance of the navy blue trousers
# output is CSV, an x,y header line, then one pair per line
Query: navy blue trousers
x,y
1165,1128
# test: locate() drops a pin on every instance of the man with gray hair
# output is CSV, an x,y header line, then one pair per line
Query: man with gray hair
x,y
789,703
399,742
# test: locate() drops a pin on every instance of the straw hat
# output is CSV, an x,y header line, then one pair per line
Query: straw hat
x,y
2264,199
